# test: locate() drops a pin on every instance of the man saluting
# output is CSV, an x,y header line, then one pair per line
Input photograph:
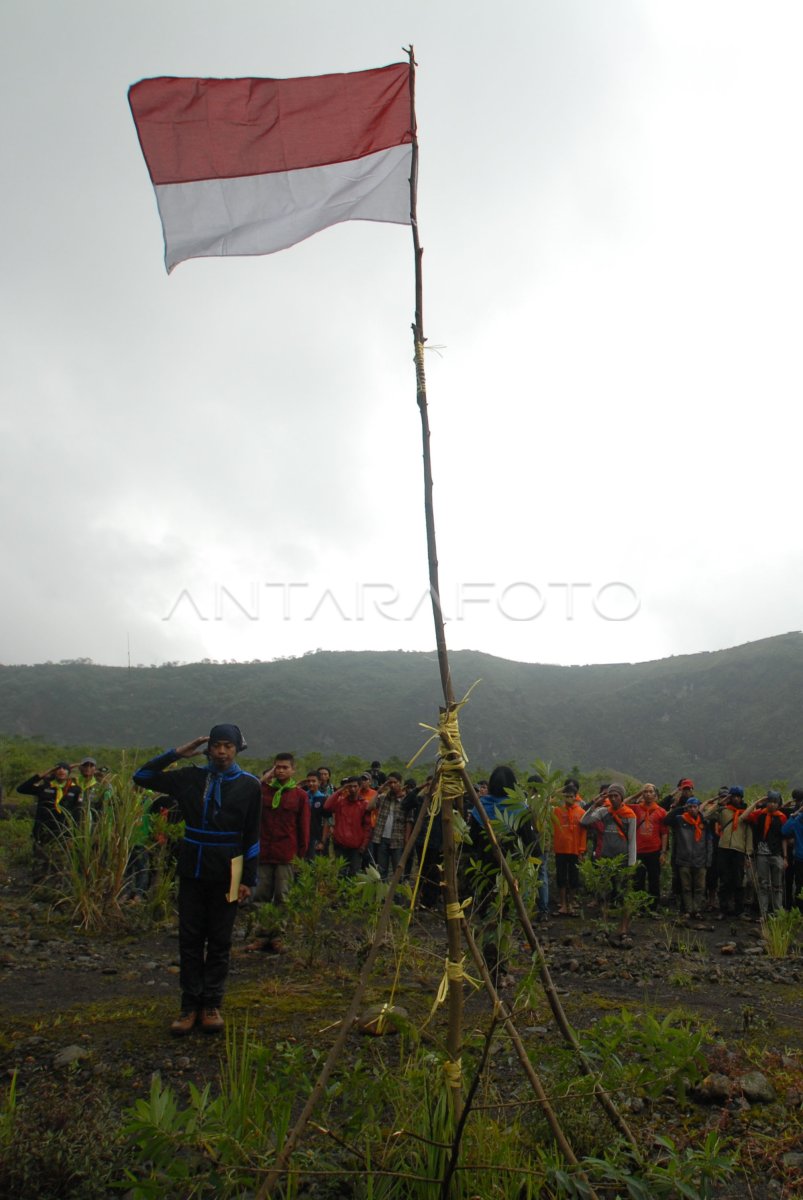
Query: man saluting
x,y
217,863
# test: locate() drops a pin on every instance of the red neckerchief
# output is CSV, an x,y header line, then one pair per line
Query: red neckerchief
x,y
697,822
737,812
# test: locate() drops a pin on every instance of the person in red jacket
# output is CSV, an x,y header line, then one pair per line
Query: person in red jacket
x,y
352,814
283,830
569,843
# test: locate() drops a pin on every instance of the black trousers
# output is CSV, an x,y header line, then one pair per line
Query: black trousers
x,y
795,884
431,876
351,859
730,865
205,927
649,871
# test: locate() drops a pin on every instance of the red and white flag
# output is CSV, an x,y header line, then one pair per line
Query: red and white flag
x,y
251,166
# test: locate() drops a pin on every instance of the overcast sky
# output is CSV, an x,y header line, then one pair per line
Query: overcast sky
x,y
226,463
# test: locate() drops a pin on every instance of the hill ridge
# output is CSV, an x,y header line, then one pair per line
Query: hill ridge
x,y
719,715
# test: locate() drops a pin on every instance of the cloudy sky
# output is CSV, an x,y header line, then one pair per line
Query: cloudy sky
x,y
226,463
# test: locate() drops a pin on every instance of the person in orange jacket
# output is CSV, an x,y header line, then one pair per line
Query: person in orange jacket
x,y
569,844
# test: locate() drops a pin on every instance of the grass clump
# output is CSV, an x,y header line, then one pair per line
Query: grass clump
x,y
644,1056
92,859
780,932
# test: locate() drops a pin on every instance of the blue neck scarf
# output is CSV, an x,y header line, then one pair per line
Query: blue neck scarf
x,y
215,780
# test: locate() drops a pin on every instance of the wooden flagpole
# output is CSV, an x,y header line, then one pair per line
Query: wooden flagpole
x,y
419,341
454,1037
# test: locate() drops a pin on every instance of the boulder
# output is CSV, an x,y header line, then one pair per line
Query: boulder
x,y
380,1019
70,1054
756,1088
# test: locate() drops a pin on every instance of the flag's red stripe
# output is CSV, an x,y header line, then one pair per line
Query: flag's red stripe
x,y
194,129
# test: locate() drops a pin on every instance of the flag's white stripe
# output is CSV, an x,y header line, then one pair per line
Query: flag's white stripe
x,y
259,214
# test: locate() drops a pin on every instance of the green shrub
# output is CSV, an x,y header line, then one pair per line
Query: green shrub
x,y
647,1057
600,878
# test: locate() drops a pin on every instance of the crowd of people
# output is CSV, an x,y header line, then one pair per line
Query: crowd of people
x,y
729,857
244,835
61,799
725,856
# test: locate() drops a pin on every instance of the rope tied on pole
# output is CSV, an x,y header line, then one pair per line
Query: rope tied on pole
x,y
420,372
454,972
453,1072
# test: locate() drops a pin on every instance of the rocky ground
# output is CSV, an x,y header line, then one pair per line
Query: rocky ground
x,y
84,1021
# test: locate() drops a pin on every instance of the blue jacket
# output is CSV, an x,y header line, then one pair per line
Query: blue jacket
x,y
221,815
793,828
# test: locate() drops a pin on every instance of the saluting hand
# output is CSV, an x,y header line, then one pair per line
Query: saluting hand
x,y
191,748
